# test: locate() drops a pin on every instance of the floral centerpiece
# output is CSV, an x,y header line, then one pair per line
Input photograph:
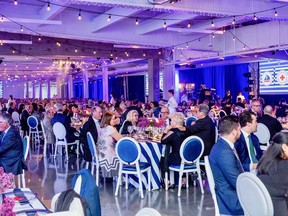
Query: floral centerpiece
x,y
6,182
152,122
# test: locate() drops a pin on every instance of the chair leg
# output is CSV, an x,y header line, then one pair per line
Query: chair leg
x,y
23,179
179,183
200,180
55,150
140,184
66,149
118,182
45,149
19,181
126,181
87,165
77,150
149,179
97,175
166,181
92,168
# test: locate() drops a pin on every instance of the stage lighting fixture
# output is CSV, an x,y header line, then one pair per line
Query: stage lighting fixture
x,y
251,82
247,89
248,74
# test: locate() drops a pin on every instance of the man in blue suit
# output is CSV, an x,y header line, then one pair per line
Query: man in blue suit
x,y
226,166
247,146
11,146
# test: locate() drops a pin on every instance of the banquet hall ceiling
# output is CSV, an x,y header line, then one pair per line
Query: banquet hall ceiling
x,y
41,38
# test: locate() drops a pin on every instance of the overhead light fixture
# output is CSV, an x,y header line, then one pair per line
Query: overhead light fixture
x,y
48,6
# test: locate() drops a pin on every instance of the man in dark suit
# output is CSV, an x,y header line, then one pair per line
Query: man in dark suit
x,y
11,146
226,166
247,146
273,125
204,128
92,126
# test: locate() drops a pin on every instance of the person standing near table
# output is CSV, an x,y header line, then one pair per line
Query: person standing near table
x,y
172,102
11,147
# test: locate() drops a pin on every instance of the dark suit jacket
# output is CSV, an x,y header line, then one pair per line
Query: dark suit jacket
x,y
11,152
205,129
23,121
132,108
59,117
225,168
273,125
277,184
89,126
243,153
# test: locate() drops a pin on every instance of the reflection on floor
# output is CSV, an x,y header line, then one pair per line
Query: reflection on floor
x,y
47,177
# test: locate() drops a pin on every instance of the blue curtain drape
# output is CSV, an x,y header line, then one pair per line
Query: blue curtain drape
x,y
136,87
221,78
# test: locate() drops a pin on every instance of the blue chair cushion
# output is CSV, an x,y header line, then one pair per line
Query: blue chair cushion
x,y
192,149
186,167
143,165
127,151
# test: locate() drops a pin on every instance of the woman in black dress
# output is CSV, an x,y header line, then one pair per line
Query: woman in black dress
x,y
173,137
273,172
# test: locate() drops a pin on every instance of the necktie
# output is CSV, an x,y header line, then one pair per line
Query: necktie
x,y
3,134
252,151
236,154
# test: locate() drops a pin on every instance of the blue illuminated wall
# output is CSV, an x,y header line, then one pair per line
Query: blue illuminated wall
x,y
221,78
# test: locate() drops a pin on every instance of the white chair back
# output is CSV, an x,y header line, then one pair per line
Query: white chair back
x,y
77,187
263,135
216,134
26,146
44,131
16,119
211,184
148,212
59,132
222,113
253,195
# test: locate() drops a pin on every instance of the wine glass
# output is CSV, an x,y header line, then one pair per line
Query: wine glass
x,y
130,130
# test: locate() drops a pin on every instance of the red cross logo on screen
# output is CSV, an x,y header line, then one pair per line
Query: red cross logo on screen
x,y
282,77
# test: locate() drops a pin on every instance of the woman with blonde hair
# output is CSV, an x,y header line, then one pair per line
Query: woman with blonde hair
x,y
107,136
173,137
131,120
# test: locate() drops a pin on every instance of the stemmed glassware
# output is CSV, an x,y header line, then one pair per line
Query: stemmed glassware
x,y
130,130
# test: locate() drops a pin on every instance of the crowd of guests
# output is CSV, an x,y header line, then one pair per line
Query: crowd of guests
x,y
238,149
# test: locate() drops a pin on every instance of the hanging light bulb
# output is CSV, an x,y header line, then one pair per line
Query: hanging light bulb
x,y
109,18
79,15
233,22
21,29
2,18
15,2
165,24
276,14
233,38
213,35
212,23
39,38
76,50
137,22
94,52
244,47
48,6
255,18
187,45
188,25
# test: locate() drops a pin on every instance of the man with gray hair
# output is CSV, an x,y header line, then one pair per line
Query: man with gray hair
x,y
204,128
273,125
11,146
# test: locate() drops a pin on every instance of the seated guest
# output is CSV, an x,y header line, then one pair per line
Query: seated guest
x,y
273,172
204,128
39,115
74,112
11,146
71,133
173,136
108,159
118,114
23,120
273,125
226,166
247,146
131,120
165,115
256,107
281,111
133,107
239,103
12,107
155,109
48,126
92,126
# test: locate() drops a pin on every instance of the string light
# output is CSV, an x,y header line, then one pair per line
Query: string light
x,y
213,35
276,14
2,18
233,38
76,50
21,29
233,22
188,25
15,2
187,45
94,52
137,21
212,23
79,15
48,6
159,53
255,18
1,43
39,38
244,47
109,18
255,55
165,24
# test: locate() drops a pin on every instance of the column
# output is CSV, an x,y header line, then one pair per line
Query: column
x,y
33,89
168,80
27,89
153,79
70,86
105,83
86,85
58,81
48,89
40,89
